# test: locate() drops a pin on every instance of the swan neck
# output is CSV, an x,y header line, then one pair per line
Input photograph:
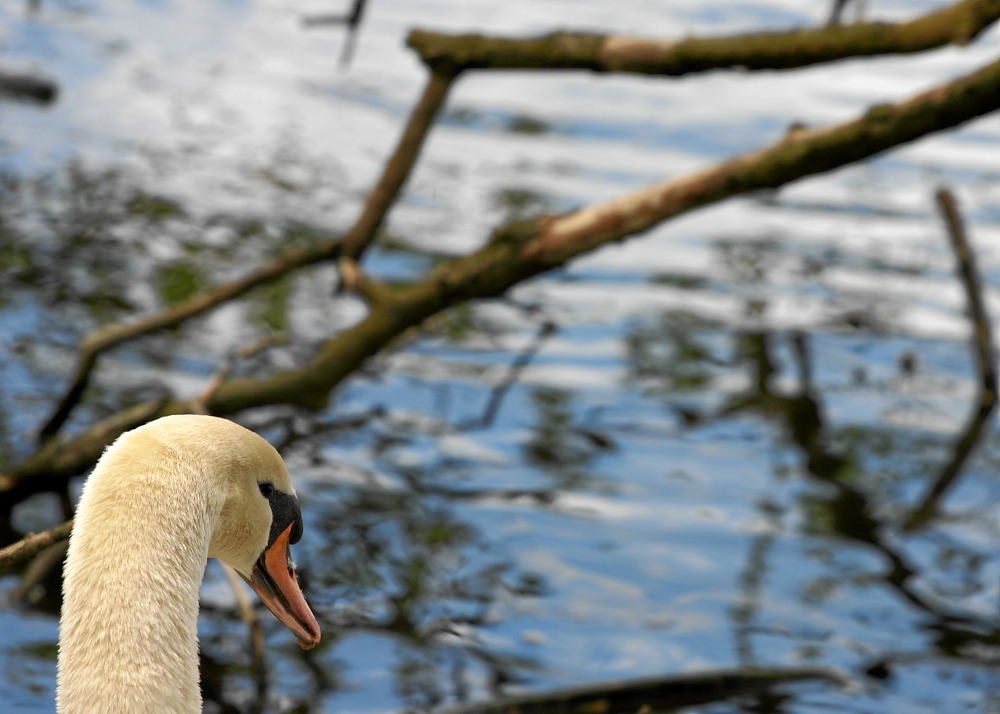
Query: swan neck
x,y
128,631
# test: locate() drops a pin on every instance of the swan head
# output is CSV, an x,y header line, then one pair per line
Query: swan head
x,y
260,517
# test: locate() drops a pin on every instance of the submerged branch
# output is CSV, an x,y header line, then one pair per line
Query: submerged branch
x,y
28,87
956,24
652,694
984,353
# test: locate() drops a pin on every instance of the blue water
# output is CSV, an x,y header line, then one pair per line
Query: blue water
x,y
636,504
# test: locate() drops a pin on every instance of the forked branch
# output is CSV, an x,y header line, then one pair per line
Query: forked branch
x,y
353,245
523,250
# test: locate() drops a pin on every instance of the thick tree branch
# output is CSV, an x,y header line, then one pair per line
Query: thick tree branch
x,y
802,153
956,24
520,251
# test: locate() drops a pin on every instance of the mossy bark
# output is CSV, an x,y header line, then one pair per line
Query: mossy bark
x,y
957,24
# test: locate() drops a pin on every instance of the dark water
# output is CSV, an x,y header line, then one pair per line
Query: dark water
x,y
696,451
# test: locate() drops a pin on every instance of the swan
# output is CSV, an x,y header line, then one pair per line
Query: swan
x,y
163,499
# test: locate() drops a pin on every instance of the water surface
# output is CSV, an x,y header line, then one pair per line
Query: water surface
x,y
723,423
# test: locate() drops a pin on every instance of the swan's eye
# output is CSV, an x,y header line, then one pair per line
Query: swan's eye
x,y
266,488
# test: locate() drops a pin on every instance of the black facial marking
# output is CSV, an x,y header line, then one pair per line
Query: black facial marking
x,y
285,511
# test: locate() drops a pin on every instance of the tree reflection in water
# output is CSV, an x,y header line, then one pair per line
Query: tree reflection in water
x,y
866,476
402,561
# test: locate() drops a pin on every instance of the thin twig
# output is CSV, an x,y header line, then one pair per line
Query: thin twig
x,y
984,353
351,20
118,333
837,12
17,554
222,374
513,373
249,615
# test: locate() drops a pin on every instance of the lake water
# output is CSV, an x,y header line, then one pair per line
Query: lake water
x,y
705,463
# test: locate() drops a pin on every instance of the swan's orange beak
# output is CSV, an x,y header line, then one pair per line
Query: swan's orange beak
x,y
275,582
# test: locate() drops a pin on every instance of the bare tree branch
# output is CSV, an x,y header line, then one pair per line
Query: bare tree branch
x,y
104,339
14,556
200,402
353,245
956,24
802,153
351,20
398,168
523,250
